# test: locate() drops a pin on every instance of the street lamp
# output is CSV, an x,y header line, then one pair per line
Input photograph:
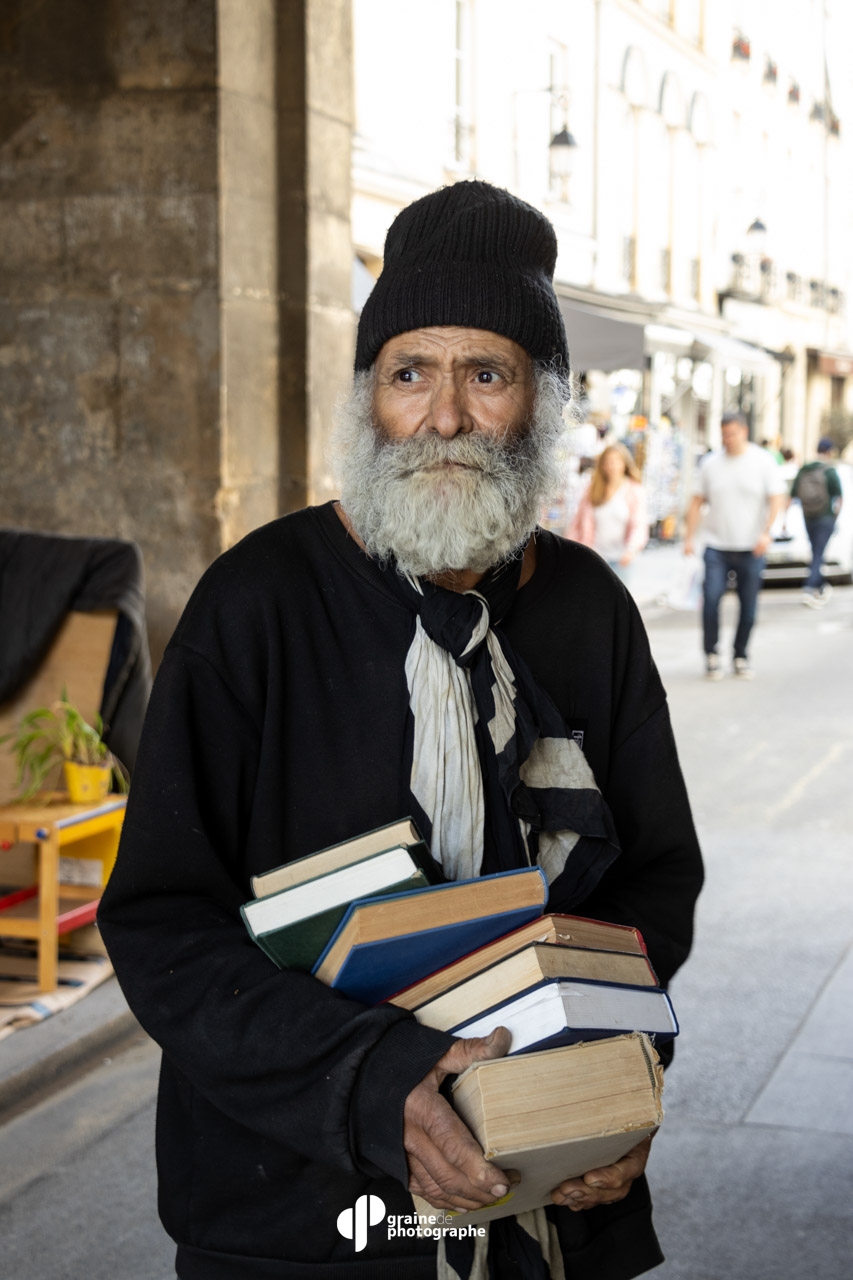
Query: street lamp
x,y
563,144
757,236
562,149
561,160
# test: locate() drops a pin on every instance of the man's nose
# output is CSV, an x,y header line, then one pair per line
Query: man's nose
x,y
448,414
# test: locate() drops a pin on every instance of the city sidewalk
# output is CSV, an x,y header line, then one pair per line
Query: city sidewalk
x,y
751,1172
39,1058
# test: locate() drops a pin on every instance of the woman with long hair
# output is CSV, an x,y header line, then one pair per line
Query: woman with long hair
x,y
612,516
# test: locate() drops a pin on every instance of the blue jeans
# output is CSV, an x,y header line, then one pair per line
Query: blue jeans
x,y
718,566
819,529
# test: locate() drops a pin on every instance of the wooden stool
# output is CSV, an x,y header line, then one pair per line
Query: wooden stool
x,y
43,911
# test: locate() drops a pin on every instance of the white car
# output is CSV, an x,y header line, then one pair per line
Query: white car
x,y
790,555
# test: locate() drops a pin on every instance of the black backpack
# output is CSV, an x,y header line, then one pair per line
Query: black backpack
x,y
813,491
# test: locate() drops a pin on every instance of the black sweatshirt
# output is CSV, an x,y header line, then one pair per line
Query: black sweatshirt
x,y
276,728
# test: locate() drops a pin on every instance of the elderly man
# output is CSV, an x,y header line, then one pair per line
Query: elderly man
x,y
416,648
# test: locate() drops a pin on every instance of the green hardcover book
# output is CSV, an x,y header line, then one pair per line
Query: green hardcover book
x,y
294,925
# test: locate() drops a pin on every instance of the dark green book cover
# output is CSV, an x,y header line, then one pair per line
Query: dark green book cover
x,y
298,945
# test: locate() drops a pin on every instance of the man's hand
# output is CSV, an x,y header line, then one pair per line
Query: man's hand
x,y
691,524
446,1164
603,1186
775,503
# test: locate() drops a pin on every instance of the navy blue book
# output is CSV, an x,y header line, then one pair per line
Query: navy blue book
x,y
384,943
568,1010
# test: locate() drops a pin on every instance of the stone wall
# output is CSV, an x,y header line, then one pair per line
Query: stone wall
x,y
155,173
109,329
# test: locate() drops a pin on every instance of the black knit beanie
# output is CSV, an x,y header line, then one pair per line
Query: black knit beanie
x,y
470,255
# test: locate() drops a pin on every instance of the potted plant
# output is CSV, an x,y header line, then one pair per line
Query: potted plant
x,y
741,47
59,732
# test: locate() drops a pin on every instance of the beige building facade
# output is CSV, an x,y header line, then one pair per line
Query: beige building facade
x,y
699,192
194,196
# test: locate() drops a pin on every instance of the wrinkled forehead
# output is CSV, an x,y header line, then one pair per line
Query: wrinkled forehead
x,y
451,344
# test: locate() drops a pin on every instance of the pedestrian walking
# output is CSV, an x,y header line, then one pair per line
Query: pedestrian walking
x,y
612,515
818,489
741,491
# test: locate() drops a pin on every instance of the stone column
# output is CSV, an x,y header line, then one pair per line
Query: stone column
x,y
109,333
315,112
175,269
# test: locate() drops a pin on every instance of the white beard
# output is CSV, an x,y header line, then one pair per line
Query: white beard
x,y
406,502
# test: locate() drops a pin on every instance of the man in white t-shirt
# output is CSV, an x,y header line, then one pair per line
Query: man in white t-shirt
x,y
742,489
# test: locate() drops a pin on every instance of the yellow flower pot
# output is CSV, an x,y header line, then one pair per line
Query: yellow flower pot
x,y
87,782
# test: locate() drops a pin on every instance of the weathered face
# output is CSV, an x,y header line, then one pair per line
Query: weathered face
x,y
734,436
451,381
445,449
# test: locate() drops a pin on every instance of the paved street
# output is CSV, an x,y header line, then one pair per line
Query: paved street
x,y
77,1185
752,1171
753,1168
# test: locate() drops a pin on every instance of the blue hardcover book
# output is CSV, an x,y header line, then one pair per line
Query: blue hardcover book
x,y
385,943
566,1011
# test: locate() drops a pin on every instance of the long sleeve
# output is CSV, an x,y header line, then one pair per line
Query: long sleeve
x,y
275,1051
656,880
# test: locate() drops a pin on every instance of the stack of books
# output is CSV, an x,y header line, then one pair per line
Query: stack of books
x,y
581,1084
364,916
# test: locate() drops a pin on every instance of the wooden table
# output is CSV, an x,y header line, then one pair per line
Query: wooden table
x,y
45,910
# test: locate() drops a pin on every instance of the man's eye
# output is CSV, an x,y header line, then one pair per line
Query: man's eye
x,y
486,377
408,375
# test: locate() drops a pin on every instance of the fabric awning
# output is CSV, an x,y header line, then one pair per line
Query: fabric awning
x,y
742,354
598,340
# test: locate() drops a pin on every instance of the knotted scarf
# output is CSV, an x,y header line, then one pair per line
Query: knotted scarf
x,y
489,755
492,767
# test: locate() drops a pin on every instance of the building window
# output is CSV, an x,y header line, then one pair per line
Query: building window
x,y
666,270
629,259
688,20
693,278
792,286
463,129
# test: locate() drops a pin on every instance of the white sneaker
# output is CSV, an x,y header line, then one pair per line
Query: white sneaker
x,y
813,599
742,669
713,670
825,592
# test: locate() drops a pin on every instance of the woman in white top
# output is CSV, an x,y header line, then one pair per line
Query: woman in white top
x,y
612,516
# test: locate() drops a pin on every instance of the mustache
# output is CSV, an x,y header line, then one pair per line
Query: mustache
x,y
490,455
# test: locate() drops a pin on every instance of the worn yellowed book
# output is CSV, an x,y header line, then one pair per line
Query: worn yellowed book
x,y
557,1114
527,968
559,930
